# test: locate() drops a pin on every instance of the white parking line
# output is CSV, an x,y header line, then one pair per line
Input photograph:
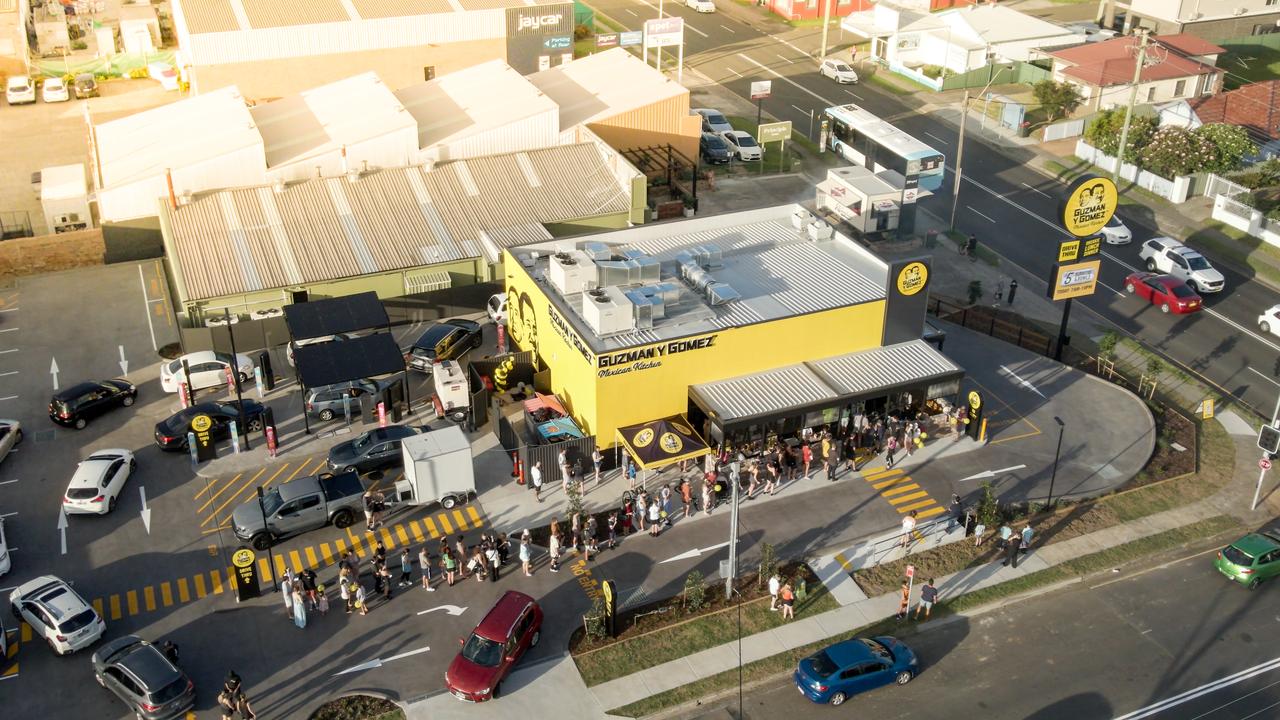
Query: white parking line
x,y
1034,189
633,12
797,107
1264,377
9,482
971,209
1117,292
735,72
8,329
6,374
690,27
789,62
728,29
5,515
8,397
12,309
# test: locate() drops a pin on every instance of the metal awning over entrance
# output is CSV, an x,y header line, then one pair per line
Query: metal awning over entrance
x,y
819,384
426,281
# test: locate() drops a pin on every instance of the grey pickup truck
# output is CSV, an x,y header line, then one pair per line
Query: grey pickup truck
x,y
298,506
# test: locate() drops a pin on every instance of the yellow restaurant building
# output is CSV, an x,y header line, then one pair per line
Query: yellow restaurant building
x,y
749,323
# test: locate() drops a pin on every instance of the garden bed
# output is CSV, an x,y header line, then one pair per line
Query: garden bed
x,y
358,707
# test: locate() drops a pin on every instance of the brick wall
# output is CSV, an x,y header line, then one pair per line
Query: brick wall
x,y
48,253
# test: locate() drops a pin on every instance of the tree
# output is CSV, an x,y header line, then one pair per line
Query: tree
x,y
1104,133
1231,144
1176,151
1058,99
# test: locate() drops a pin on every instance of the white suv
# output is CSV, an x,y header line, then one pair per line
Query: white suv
x,y
55,612
1169,256
19,90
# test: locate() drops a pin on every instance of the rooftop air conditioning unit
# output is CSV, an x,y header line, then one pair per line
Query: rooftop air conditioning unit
x,y
571,272
818,230
608,314
800,218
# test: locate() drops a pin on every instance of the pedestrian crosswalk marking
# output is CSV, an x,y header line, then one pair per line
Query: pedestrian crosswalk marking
x,y
906,487
903,493
279,570
312,561
325,554
183,595
888,483
404,536
844,562
916,506
475,516
216,578
200,593
26,633
417,531
431,527
898,501
444,523
132,598
935,510
295,560
97,607
166,594
387,542
264,569
115,608
355,544
461,521
149,598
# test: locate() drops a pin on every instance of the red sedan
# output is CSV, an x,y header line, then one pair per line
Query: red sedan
x,y
1166,291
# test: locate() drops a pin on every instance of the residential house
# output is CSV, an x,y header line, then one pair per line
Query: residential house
x,y
1177,67
1212,20
1254,107
813,9
976,36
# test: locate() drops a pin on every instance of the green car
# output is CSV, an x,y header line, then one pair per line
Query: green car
x,y
1251,559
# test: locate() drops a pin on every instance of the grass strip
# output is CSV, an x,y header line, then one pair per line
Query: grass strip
x,y
785,662
1241,248
1217,464
671,643
893,85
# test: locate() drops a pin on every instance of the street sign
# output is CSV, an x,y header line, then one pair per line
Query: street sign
x,y
607,40
631,37
774,132
202,429
1206,408
1073,280
558,43
663,32
761,89
911,571
1265,464
246,572
1269,439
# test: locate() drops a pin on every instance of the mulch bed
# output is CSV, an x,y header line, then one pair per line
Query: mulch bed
x,y
354,707
645,618
1166,462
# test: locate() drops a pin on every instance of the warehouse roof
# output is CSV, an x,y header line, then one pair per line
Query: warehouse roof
x,y
471,101
211,16
823,382
776,271
246,239
328,117
603,85
179,134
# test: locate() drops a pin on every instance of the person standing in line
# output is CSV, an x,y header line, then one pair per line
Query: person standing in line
x,y
824,449
344,592
504,547
322,600
460,546
642,509
1027,534
928,596
806,456
613,528
286,592
631,474
450,565
535,477
554,549
494,558
593,544
849,455
1002,540
904,600
956,512
362,601
575,531
597,460
666,505
1011,553
908,528
788,597
891,447
563,460
708,496
299,606
775,585
308,578
424,562
686,495
479,566
526,554
655,526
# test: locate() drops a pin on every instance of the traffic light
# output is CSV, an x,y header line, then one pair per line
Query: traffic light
x,y
1269,439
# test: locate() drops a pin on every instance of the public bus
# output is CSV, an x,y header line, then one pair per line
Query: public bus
x,y
866,140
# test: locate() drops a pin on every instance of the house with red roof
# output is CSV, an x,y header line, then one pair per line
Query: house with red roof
x,y
1177,67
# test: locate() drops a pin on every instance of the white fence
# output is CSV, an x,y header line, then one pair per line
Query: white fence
x,y
1175,190
1059,131
1244,218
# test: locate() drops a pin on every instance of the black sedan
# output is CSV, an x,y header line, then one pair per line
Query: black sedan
x,y
378,449
448,340
147,680
171,433
80,403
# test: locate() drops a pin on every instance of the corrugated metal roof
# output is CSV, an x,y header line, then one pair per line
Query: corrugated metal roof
x,y
869,370
470,101
284,13
246,239
766,392
321,120
180,134
603,85
208,16
373,9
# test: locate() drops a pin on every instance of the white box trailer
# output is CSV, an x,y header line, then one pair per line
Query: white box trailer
x,y
437,468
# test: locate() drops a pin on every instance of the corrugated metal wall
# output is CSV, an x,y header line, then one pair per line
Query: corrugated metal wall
x,y
538,131
140,198
394,149
660,123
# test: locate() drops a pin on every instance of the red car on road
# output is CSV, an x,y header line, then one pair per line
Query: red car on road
x,y
504,635
1164,291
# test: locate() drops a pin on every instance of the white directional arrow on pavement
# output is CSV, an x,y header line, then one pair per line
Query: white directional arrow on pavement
x,y
451,609
146,511
124,364
694,553
1024,383
379,662
53,370
62,529
988,474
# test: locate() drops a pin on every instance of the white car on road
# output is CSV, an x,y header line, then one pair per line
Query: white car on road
x,y
53,90
1115,232
702,6
10,436
1166,255
57,613
743,145
19,90
839,71
98,482
6,564
208,369
1269,321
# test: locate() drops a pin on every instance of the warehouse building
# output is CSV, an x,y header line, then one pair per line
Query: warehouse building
x,y
396,231
271,49
739,326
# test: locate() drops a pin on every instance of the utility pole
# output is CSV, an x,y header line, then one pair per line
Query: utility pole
x,y
1143,36
955,190
826,20
235,377
733,533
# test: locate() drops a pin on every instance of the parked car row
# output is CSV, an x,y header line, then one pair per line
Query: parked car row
x,y
720,142
21,89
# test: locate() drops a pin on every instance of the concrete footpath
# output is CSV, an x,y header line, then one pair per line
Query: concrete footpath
x,y
554,687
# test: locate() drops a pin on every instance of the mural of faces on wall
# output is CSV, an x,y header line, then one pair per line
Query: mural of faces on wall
x,y
521,321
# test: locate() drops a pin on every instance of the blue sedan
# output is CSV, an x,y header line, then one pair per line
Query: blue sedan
x,y
835,673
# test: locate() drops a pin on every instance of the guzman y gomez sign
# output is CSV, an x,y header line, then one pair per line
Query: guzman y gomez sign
x,y
644,358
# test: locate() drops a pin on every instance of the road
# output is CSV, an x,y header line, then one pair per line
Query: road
x,y
1176,642
1007,203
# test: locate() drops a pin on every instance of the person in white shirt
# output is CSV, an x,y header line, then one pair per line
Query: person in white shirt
x,y
775,584
535,477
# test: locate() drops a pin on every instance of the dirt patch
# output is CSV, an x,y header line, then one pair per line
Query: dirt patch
x,y
1172,429
358,707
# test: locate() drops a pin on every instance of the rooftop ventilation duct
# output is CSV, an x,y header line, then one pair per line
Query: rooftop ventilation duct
x,y
709,255
818,230
597,251
800,218
721,293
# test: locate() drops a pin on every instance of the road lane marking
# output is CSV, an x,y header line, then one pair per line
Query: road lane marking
x,y
301,467
131,599
146,309
798,108
1205,689
633,12
231,499
183,596
973,210
789,62
1264,377
735,72
690,27
935,137
727,29
215,495
1038,190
